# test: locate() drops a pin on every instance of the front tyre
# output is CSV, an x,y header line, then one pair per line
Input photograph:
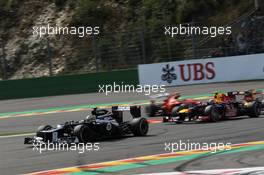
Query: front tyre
x,y
175,113
212,113
139,126
44,128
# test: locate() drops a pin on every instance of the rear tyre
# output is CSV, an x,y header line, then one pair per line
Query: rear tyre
x,y
139,126
84,133
253,109
44,128
212,112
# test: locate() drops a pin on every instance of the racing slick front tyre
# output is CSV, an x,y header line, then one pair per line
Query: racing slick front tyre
x,y
84,133
44,128
253,109
212,113
175,113
139,126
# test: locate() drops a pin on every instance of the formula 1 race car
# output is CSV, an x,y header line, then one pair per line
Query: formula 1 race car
x,y
156,105
222,106
101,124
168,106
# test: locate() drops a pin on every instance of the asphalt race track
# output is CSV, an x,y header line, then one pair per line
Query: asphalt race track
x,y
16,158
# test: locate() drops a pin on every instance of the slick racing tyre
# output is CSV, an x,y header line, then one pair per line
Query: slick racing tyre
x,y
212,113
84,133
44,128
175,113
253,109
139,126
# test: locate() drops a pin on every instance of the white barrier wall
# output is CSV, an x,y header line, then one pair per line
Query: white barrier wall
x,y
246,67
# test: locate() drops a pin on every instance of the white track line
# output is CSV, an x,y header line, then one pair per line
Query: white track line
x,y
17,135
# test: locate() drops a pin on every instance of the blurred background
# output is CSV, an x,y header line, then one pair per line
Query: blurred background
x,y
131,33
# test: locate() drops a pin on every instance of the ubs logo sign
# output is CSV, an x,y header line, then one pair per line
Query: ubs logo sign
x,y
189,72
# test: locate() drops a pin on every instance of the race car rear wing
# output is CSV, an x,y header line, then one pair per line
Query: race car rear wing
x,y
161,95
135,111
253,92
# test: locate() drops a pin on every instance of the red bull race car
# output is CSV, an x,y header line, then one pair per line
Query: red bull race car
x,y
222,106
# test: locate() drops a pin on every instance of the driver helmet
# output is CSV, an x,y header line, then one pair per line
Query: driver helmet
x,y
219,97
90,118
211,101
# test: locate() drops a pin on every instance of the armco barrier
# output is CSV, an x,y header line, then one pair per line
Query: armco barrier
x,y
61,85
